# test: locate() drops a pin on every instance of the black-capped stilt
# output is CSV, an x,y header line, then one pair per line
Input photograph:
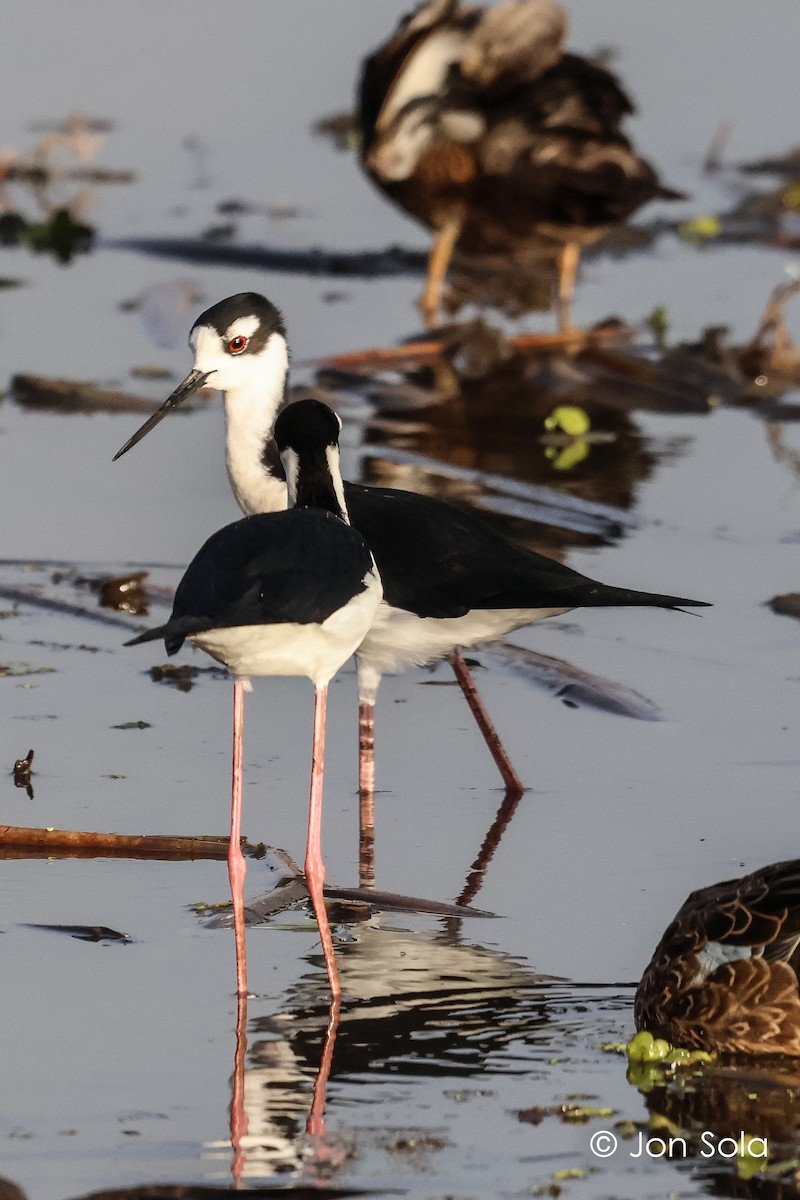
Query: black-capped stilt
x,y
285,593
449,580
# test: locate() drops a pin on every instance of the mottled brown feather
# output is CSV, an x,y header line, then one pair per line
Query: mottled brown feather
x,y
551,162
748,1005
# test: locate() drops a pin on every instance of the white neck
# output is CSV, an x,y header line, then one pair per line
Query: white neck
x,y
335,471
250,412
332,482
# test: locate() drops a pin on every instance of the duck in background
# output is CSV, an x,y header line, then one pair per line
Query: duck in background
x,y
479,124
724,977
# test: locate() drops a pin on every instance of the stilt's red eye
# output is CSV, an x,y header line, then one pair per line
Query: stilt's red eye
x,y
238,344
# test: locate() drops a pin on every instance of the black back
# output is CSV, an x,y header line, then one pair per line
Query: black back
x,y
437,561
297,566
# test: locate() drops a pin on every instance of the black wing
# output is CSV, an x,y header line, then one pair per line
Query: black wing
x,y
272,568
437,561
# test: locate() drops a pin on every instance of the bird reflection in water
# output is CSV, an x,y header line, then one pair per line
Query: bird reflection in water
x,y
471,1001
469,428
713,1101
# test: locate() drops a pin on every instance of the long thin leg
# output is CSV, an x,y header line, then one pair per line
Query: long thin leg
x,y
315,867
490,735
237,867
315,1123
568,262
438,261
366,794
237,1111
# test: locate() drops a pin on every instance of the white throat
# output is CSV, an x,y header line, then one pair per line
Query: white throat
x,y
250,412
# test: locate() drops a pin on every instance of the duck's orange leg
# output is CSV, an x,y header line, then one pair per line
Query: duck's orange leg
x,y
568,261
438,261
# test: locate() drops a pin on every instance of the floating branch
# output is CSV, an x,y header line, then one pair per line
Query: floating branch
x,y
16,841
436,347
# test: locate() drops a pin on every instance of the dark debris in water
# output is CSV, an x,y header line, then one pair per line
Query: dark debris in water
x,y
21,669
22,773
191,1191
745,1101
464,363
573,686
86,933
183,676
288,890
61,235
73,396
786,605
365,264
120,593
68,646
125,593
787,163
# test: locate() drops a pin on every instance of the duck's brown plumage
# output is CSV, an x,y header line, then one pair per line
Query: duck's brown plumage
x,y
503,135
724,976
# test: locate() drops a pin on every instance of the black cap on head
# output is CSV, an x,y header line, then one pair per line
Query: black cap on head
x,y
306,425
244,304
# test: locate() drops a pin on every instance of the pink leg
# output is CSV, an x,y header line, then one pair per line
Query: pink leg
x,y
315,868
490,735
237,867
366,794
237,1111
315,1124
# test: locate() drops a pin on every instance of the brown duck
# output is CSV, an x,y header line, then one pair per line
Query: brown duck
x,y
480,125
724,976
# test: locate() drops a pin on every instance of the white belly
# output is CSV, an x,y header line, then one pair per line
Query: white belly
x,y
317,651
398,639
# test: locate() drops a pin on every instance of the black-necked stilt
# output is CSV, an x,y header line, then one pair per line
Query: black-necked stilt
x,y
726,974
449,580
283,593
479,124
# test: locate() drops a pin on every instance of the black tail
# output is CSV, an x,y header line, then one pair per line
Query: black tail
x,y
600,595
174,633
149,635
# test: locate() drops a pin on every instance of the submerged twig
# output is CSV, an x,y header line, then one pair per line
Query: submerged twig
x,y
17,595
431,348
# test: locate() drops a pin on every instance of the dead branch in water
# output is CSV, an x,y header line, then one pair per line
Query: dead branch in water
x,y
17,841
431,348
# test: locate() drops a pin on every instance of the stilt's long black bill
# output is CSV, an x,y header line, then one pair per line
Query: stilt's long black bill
x,y
193,381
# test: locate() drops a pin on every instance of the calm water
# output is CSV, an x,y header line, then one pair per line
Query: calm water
x,y
117,1058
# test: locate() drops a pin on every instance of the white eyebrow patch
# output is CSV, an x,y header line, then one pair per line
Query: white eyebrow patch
x,y
242,327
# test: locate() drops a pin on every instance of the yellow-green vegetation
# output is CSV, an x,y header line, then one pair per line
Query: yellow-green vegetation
x,y
568,436
643,1047
553,1187
568,418
580,1113
701,229
649,1058
747,1164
